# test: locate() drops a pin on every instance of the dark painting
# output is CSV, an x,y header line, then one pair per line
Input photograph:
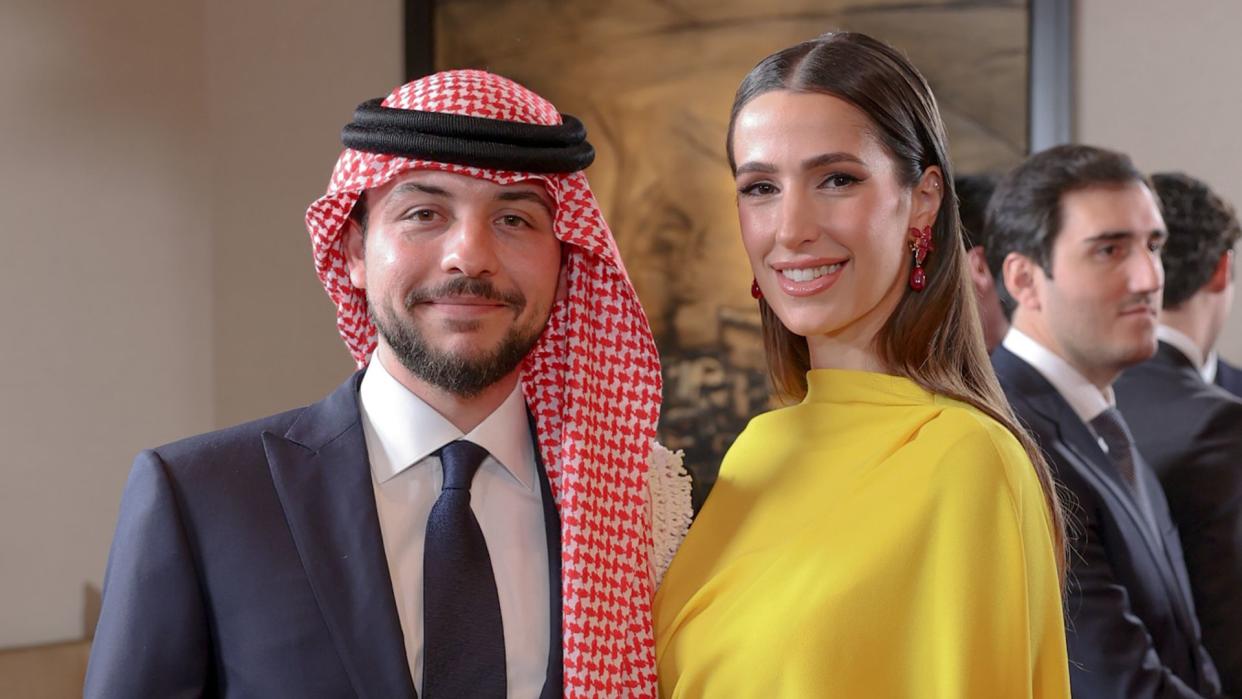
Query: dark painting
x,y
653,82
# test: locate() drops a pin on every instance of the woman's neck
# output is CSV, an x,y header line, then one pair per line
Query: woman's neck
x,y
837,352
854,346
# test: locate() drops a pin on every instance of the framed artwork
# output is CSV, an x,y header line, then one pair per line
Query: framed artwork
x,y
654,80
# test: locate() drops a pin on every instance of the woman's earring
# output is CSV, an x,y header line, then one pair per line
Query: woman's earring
x,y
755,292
920,246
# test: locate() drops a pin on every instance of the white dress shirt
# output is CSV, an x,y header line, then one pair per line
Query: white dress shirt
x,y
1209,367
402,434
1084,397
1190,348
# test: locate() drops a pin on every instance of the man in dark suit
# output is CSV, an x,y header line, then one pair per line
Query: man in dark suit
x,y
1075,235
406,532
1187,429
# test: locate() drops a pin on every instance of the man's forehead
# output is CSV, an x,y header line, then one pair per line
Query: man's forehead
x,y
453,185
1109,208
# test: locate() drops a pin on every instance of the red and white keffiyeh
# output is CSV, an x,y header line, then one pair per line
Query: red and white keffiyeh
x,y
592,383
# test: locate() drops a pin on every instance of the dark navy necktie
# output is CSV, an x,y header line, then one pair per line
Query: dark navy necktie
x,y
1112,428
463,635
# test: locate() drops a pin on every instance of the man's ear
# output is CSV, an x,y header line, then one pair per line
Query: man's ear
x,y
353,242
1023,278
1222,275
927,197
979,272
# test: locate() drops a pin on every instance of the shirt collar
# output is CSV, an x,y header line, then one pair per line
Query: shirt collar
x,y
1084,397
409,430
1209,367
1182,342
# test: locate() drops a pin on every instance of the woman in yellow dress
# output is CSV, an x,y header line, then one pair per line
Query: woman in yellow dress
x,y
894,533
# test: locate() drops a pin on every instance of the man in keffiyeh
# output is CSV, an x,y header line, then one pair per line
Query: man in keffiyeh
x,y
481,510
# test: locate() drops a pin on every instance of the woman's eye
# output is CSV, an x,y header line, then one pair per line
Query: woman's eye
x,y
839,180
758,189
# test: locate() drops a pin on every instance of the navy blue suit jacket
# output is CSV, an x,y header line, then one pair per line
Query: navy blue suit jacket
x,y
249,563
1130,620
1191,434
1229,377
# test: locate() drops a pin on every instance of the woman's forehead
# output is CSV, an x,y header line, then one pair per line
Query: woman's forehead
x,y
785,125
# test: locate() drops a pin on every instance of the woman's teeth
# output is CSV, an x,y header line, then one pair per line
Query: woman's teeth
x,y
806,275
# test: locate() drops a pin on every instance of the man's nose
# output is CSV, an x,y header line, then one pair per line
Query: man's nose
x,y
470,248
1147,272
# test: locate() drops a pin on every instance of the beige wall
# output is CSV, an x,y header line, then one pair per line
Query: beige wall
x,y
157,280
106,342
283,76
1159,80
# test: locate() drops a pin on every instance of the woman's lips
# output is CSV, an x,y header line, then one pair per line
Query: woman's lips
x,y
809,280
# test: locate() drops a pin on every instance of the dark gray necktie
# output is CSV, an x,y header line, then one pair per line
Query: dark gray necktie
x,y
1112,428
463,635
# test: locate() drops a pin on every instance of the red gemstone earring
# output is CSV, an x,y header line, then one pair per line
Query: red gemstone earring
x,y
755,292
920,246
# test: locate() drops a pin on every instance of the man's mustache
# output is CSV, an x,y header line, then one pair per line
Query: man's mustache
x,y
465,286
1148,301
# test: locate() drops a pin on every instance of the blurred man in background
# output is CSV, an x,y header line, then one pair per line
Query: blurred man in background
x,y
1188,429
973,192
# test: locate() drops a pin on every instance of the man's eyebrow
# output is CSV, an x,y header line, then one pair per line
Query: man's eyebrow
x,y
407,187
808,164
524,195
1114,236
1108,235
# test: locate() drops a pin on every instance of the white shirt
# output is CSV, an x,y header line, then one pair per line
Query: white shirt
x,y
1188,347
1209,367
402,432
1084,397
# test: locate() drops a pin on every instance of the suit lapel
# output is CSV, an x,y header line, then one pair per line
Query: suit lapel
x,y
1172,359
1072,435
1079,439
323,478
1082,452
1173,551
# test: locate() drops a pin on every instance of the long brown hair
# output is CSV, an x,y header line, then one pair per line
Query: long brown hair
x,y
934,336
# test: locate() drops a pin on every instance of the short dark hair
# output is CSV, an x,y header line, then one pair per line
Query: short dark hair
x,y
973,193
1024,214
1201,225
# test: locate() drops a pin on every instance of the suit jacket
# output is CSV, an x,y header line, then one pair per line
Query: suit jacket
x,y
1191,434
1229,377
1131,629
249,563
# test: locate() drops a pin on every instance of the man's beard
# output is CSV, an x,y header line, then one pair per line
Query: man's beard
x,y
456,373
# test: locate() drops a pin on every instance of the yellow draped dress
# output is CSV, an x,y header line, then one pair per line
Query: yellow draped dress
x,y
874,541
